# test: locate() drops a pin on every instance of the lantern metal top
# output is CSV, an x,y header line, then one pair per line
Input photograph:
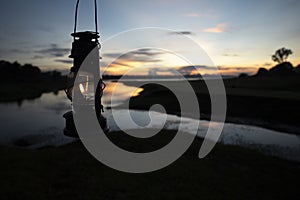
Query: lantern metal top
x,y
86,35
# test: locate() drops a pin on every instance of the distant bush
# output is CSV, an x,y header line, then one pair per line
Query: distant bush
x,y
297,69
262,72
17,73
243,75
282,69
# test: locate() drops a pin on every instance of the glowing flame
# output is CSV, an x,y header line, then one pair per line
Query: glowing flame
x,y
81,88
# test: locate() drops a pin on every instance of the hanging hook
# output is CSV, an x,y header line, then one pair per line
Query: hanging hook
x,y
96,16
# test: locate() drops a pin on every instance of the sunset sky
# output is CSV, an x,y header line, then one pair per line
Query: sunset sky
x,y
239,36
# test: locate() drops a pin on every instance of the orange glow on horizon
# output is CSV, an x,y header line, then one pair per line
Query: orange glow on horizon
x,y
169,64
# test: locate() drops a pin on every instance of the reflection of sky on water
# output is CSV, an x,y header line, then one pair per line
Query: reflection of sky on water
x,y
38,116
33,116
116,93
40,123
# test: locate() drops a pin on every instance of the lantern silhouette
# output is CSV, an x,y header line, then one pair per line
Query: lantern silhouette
x,y
89,82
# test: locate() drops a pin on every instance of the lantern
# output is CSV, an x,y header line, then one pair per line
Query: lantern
x,y
90,84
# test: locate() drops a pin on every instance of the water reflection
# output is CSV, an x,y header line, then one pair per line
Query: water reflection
x,y
32,117
43,116
116,93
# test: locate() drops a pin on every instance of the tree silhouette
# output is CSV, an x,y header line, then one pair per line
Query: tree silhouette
x,y
281,55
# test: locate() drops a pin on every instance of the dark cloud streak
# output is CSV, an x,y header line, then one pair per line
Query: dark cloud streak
x,y
182,33
64,61
145,55
53,51
235,68
230,55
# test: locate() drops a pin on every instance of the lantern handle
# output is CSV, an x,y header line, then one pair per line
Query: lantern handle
x,y
96,16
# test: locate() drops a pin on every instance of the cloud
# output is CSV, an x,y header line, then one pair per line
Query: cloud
x,y
193,70
199,67
154,71
18,51
37,57
219,28
145,55
181,33
183,70
267,64
234,71
225,68
230,55
134,54
148,52
122,62
9,52
54,51
112,55
119,63
64,61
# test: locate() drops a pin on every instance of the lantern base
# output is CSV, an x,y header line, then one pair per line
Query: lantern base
x,y
70,129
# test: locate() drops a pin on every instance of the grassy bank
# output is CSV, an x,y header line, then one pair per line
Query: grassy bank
x,y
17,92
271,102
70,172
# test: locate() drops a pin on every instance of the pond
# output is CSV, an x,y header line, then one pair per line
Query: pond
x,y
39,123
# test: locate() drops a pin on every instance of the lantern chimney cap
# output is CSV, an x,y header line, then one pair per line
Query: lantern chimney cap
x,y
88,35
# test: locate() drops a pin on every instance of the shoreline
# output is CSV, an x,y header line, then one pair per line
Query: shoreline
x,y
271,109
284,128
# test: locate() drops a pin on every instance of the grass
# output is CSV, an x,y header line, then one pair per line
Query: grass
x,y
70,172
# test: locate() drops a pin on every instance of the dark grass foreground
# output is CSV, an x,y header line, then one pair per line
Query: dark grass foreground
x,y
70,172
